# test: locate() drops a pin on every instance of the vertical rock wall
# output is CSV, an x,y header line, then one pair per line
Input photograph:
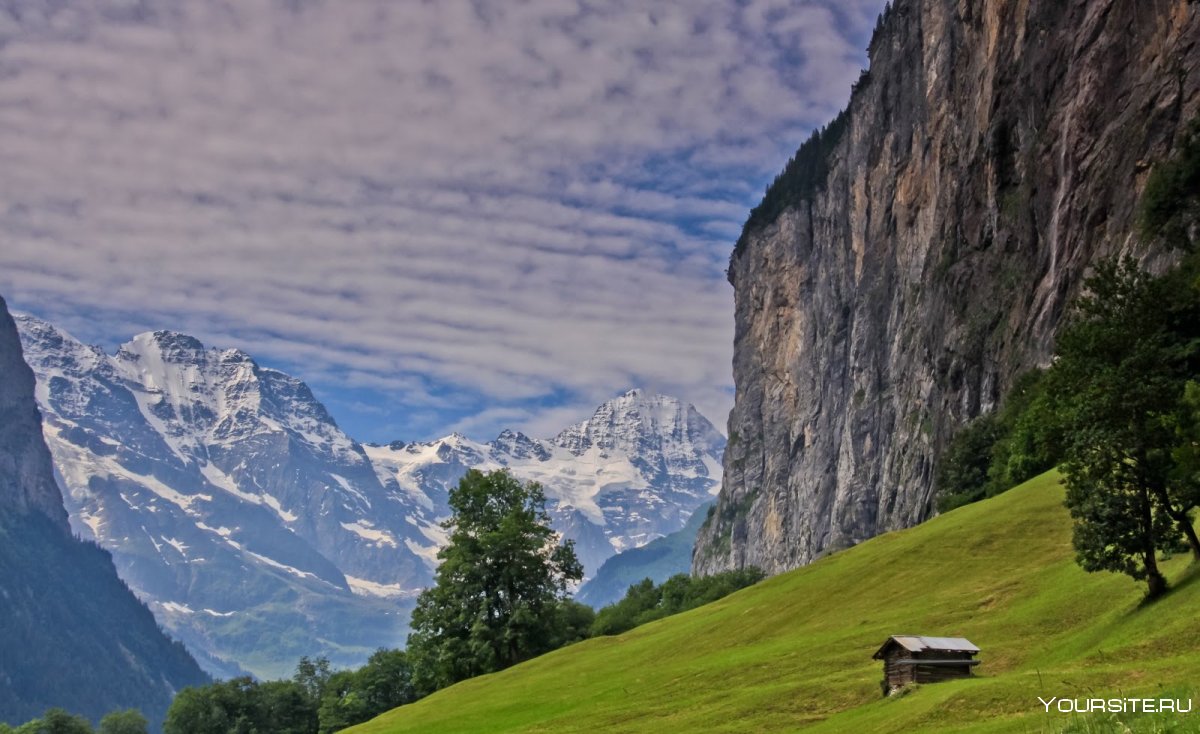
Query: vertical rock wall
x,y
26,472
994,149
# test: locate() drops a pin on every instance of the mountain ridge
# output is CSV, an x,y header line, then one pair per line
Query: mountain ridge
x,y
72,634
651,460
224,487
259,531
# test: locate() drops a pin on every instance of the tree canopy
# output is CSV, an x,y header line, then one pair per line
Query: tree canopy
x,y
645,602
59,721
1121,378
497,593
243,706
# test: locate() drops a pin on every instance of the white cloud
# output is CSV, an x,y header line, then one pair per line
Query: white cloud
x,y
501,202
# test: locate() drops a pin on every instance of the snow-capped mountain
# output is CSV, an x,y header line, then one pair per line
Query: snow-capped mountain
x,y
633,472
258,531
232,503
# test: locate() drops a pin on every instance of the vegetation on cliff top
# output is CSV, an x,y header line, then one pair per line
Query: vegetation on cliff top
x,y
803,175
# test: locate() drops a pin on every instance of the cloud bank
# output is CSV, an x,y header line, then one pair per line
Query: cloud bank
x,y
443,215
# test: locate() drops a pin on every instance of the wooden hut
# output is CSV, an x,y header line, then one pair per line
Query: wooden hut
x,y
917,659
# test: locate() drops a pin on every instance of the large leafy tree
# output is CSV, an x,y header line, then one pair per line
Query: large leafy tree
x,y
498,590
1120,377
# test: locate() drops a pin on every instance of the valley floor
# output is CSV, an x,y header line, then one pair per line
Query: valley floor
x,y
794,652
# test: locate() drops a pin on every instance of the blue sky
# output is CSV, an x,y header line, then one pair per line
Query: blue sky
x,y
442,215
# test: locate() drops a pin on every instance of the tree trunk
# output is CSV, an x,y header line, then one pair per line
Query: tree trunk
x,y
1181,519
1189,530
1156,583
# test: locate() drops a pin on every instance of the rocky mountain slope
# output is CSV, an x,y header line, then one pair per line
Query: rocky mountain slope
x,y
72,635
920,252
658,560
635,471
258,531
232,503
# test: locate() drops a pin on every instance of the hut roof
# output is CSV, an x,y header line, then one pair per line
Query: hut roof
x,y
919,643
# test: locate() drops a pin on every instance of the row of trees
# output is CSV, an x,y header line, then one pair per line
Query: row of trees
x,y
645,602
499,597
58,721
316,699
1001,449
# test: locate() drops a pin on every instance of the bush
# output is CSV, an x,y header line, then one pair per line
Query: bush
x,y
1170,205
1000,450
644,602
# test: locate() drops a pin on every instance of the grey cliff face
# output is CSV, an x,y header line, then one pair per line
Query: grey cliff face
x,y
26,473
993,151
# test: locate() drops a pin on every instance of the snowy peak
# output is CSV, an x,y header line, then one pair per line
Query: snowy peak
x,y
634,471
519,446
165,346
54,347
219,484
638,421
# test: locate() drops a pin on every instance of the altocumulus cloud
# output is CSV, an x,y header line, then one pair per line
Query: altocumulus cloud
x,y
443,215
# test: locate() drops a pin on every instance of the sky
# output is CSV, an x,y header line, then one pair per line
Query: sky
x,y
443,216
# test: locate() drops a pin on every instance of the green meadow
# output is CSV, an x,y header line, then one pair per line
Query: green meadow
x,y
793,653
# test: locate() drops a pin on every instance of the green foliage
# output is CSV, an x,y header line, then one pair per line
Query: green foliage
x,y
497,591
1186,453
645,602
962,475
313,675
793,652
1123,365
286,708
804,174
59,721
1033,441
243,706
1002,449
54,721
572,623
1170,206
316,699
129,721
353,696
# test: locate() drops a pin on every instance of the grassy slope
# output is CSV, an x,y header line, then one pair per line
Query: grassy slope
x,y
794,652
